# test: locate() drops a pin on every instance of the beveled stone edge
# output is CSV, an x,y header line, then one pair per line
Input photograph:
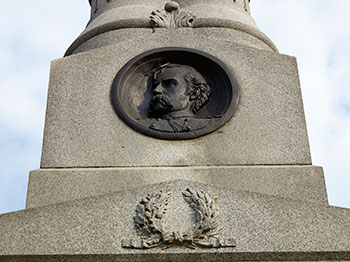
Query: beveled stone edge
x,y
145,23
188,256
119,172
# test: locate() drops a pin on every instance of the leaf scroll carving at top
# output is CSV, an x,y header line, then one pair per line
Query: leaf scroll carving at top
x,y
171,17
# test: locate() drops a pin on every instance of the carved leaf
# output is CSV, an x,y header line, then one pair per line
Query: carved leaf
x,y
149,213
184,19
205,211
171,17
160,19
148,223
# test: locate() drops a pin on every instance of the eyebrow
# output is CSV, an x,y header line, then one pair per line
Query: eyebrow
x,y
167,79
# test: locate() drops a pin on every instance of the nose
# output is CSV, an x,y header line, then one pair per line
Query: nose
x,y
158,89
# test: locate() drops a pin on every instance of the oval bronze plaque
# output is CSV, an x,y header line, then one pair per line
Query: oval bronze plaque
x,y
175,93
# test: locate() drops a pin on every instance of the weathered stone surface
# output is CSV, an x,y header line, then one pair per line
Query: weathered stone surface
x,y
264,227
107,16
82,129
50,186
217,34
228,257
96,170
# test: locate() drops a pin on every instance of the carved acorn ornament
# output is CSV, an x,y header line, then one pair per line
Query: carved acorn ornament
x,y
171,17
171,6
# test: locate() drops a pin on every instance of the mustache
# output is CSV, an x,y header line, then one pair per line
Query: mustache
x,y
164,100
160,104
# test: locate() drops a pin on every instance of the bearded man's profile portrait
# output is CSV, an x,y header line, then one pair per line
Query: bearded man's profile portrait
x,y
178,93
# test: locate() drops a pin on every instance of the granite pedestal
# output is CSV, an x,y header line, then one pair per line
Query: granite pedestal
x,y
251,182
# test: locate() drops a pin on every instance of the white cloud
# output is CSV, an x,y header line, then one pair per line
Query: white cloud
x,y
315,31
35,34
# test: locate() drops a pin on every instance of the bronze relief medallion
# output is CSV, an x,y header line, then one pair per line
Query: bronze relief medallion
x,y
175,93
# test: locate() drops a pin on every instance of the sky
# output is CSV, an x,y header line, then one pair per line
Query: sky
x,y
36,32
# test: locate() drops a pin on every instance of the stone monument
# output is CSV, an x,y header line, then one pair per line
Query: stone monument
x,y
175,131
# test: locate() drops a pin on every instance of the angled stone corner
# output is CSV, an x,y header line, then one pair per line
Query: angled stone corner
x,y
175,131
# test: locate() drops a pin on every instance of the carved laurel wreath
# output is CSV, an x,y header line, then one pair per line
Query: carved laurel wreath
x,y
148,223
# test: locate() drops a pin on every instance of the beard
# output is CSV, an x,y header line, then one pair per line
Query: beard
x,y
159,105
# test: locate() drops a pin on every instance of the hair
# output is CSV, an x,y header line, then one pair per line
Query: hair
x,y
197,88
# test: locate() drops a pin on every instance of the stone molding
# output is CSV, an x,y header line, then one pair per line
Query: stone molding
x,y
113,15
145,23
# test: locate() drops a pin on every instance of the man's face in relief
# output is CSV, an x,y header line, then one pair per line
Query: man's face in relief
x,y
169,92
